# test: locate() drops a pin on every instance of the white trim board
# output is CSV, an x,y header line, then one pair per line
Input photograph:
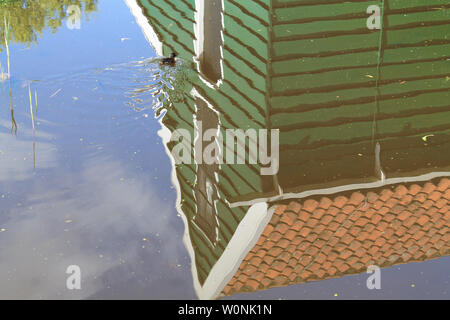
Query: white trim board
x,y
338,189
147,29
242,241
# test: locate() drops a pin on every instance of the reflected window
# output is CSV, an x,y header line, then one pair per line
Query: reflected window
x,y
205,189
209,21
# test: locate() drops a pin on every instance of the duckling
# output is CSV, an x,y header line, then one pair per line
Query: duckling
x,y
170,61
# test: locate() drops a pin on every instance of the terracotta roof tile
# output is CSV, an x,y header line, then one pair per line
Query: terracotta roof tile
x,y
281,228
444,184
288,217
403,215
341,217
340,201
275,236
237,286
318,213
303,216
421,197
255,260
284,243
310,205
441,203
348,209
267,230
339,232
377,205
290,234
400,191
356,198
414,189
267,245
406,200
435,196
325,203
385,194
293,207
271,273
275,252
369,227
304,231
311,222
428,188
313,239
423,219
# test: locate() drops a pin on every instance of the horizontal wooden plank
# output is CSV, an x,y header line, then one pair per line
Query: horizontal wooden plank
x,y
318,117
319,27
314,46
173,42
317,80
402,4
244,86
315,100
313,64
248,18
295,3
414,35
405,71
252,74
357,131
250,8
292,14
414,17
418,85
259,44
171,19
181,10
358,75
245,50
231,110
398,55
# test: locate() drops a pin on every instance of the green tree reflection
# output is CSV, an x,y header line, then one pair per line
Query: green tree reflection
x,y
29,18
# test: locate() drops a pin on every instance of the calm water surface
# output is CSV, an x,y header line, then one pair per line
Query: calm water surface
x,y
95,189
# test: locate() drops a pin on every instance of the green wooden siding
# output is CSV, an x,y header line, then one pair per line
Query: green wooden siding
x,y
334,88
337,83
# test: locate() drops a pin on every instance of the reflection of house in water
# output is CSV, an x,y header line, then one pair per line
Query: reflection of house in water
x,y
364,136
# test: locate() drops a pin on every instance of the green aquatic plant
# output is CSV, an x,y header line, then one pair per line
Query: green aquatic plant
x,y
36,102
32,122
6,36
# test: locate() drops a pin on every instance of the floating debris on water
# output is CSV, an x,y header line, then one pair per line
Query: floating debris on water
x,y
55,93
4,77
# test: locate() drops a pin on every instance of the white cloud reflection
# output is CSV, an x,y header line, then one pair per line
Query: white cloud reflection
x,y
99,220
16,153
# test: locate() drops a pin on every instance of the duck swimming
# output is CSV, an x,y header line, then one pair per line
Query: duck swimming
x,y
169,61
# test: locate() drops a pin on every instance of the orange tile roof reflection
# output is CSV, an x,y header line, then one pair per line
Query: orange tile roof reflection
x,y
312,239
